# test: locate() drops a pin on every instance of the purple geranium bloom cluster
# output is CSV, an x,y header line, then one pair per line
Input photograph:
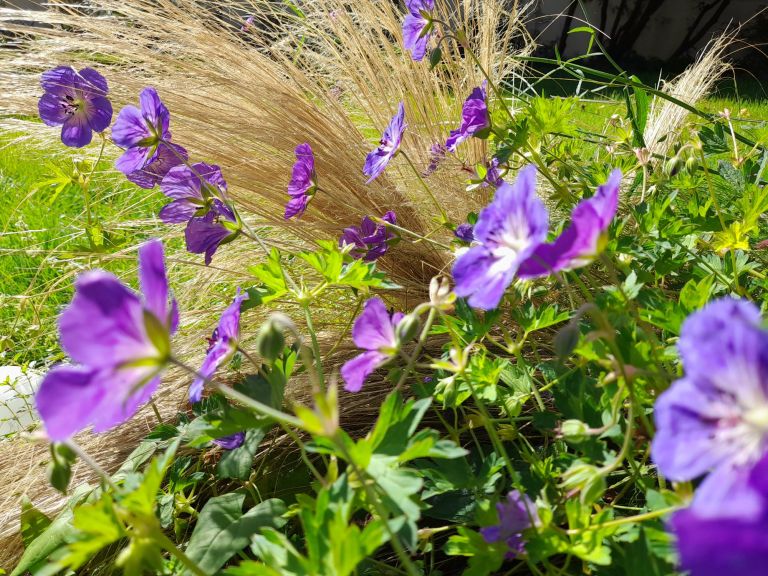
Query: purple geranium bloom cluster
x,y
222,345
76,101
510,236
417,26
713,422
303,184
370,240
140,131
199,194
378,159
474,118
120,342
517,514
375,332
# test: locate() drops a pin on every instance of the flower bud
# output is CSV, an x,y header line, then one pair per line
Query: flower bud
x,y
586,480
692,164
672,166
574,431
270,341
408,328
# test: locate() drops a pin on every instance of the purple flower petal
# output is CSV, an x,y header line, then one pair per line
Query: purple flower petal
x,y
464,232
99,113
355,371
474,117
58,80
720,546
378,159
103,326
67,399
219,353
579,243
296,206
178,211
128,390
130,127
414,24
373,329
76,132
231,442
153,279
51,111
517,514
134,159
507,231
204,235
168,156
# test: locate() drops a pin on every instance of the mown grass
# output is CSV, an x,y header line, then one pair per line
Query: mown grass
x,y
44,242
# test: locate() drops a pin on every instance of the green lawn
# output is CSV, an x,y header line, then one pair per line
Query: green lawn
x,y
43,239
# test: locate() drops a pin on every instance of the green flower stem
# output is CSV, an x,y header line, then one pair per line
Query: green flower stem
x,y
232,394
318,364
168,545
419,345
625,520
92,464
397,545
443,216
85,186
410,233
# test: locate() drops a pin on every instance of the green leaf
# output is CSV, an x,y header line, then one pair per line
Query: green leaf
x,y
237,463
734,177
97,526
222,530
714,140
41,548
270,273
33,522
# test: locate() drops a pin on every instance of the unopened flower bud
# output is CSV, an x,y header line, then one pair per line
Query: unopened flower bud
x,y
408,328
270,341
692,164
574,431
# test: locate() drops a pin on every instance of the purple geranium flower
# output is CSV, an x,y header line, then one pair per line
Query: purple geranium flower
x,y
714,420
494,174
583,240
370,240
121,344
76,101
140,131
417,26
168,156
205,234
231,442
373,331
464,232
718,546
507,232
474,118
303,182
222,345
193,189
517,514
377,160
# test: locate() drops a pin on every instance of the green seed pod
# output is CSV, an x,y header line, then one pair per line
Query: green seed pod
x,y
270,341
408,328
574,431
